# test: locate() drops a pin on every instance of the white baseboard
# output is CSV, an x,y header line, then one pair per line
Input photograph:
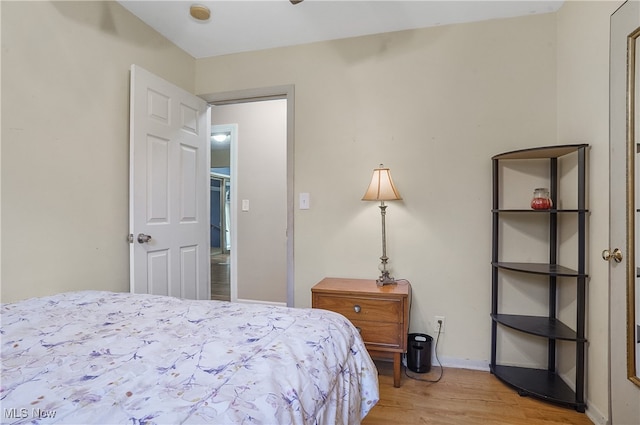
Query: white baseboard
x,y
463,363
244,301
456,363
595,415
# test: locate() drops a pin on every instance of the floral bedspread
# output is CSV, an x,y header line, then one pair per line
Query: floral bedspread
x,y
94,357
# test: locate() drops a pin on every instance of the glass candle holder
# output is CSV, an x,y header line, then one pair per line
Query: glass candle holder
x,y
541,199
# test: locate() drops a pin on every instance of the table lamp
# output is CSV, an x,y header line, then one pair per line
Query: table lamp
x,y
382,189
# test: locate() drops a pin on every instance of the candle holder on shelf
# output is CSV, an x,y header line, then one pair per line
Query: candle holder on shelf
x,y
541,199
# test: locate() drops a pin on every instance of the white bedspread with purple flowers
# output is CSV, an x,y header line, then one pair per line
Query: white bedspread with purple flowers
x,y
95,357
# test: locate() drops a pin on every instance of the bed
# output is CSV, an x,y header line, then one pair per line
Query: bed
x,y
94,357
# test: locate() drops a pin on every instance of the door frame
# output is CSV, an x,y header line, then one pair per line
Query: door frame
x,y
261,94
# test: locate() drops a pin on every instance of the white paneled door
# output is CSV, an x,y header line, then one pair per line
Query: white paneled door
x,y
624,395
169,190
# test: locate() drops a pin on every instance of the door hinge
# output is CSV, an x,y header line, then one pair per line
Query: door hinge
x,y
130,238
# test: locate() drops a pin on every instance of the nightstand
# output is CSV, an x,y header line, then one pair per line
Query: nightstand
x,y
380,313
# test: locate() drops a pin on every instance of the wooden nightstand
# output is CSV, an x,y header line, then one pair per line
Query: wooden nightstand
x,y
381,313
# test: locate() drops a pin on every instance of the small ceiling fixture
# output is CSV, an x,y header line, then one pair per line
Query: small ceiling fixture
x,y
295,1
199,12
221,137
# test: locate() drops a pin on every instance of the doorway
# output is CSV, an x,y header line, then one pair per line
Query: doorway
x,y
222,138
261,232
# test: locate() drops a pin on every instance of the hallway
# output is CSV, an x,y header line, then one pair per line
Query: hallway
x,y
220,277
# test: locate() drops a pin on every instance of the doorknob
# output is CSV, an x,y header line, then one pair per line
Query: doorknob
x,y
142,238
616,255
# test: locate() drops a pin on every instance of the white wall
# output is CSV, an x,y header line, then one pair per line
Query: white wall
x,y
65,141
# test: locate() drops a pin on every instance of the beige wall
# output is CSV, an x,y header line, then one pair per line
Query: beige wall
x,y
65,141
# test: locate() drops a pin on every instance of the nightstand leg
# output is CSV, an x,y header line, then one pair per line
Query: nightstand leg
x,y
396,370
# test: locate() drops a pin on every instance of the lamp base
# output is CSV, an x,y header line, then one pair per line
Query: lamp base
x,y
385,279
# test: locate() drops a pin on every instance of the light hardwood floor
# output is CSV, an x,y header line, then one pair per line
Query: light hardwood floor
x,y
220,275
462,397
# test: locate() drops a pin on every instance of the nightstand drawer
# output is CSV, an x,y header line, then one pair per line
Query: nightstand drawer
x,y
361,308
380,335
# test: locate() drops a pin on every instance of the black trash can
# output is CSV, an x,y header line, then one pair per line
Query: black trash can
x,y
419,353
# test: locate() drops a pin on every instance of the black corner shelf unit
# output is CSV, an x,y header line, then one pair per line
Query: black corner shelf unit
x,y
544,384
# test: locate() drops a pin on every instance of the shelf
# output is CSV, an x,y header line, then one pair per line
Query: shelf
x,y
530,210
539,268
540,326
539,383
541,152
547,329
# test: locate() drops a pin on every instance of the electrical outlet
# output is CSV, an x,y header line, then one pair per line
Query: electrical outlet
x,y
438,324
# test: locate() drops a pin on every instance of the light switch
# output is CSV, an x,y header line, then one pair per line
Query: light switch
x,y
304,201
245,205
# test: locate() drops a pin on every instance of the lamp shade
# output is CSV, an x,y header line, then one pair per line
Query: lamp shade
x,y
381,187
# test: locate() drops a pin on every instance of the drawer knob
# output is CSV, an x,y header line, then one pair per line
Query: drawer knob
x,y
356,308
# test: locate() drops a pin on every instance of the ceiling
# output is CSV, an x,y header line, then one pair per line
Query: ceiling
x,y
242,25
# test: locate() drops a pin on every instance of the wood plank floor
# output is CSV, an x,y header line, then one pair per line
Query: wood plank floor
x,y
220,276
462,397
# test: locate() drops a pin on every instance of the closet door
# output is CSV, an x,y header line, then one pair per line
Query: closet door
x,y
625,395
